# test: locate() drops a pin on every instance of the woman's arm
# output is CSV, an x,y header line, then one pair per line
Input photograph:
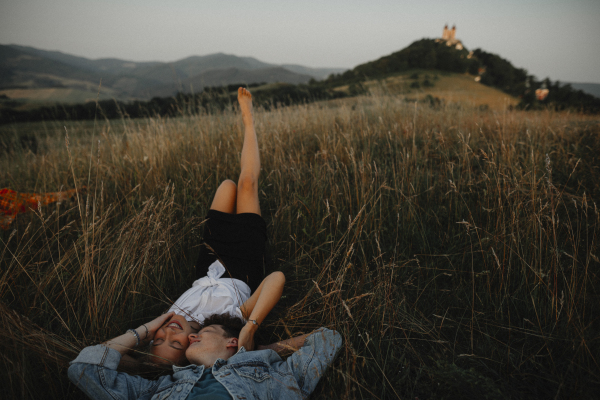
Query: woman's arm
x,y
128,340
95,369
258,306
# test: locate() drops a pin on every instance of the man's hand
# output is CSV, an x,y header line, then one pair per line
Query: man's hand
x,y
246,338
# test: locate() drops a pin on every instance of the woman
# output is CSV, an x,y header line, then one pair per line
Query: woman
x,y
230,264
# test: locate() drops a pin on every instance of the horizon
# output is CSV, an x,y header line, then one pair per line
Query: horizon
x,y
329,35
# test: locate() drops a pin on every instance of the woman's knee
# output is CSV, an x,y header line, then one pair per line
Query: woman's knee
x,y
247,195
277,276
228,185
247,184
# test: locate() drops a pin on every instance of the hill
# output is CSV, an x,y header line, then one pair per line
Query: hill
x,y
42,76
430,54
422,54
487,68
440,87
110,65
190,65
22,70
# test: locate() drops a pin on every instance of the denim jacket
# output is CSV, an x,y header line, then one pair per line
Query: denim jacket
x,y
260,374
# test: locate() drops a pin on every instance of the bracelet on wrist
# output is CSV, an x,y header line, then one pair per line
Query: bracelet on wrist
x,y
137,336
147,332
254,322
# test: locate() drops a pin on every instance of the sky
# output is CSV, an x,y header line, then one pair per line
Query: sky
x,y
549,38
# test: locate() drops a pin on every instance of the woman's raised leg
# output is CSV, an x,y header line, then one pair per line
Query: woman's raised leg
x,y
247,190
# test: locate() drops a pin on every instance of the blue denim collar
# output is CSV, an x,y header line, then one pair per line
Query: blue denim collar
x,y
218,364
177,368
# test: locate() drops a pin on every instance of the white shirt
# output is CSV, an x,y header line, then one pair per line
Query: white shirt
x,y
212,295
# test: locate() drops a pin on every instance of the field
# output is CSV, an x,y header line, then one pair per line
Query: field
x,y
446,86
30,98
454,247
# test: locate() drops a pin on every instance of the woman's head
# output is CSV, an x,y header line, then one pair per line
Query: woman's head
x,y
172,340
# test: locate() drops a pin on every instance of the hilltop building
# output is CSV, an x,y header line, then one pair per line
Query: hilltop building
x,y
449,36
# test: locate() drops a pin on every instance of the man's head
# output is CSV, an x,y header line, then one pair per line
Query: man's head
x,y
218,338
171,341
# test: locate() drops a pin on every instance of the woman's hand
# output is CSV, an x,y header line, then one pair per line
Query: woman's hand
x,y
246,338
154,325
129,340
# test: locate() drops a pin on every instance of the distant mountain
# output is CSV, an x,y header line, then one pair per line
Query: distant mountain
x,y
589,88
23,70
30,72
110,65
197,64
317,73
227,76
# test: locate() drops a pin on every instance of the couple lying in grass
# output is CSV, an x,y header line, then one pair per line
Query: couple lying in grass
x,y
208,333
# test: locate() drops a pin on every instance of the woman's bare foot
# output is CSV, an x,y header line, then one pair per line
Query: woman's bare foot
x,y
245,100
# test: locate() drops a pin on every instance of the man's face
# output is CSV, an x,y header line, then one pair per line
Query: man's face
x,y
210,340
171,341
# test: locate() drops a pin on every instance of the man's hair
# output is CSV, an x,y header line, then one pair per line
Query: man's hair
x,y
230,324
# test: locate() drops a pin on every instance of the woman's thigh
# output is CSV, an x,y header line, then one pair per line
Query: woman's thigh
x,y
225,197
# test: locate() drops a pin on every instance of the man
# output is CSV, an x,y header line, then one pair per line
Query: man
x,y
218,369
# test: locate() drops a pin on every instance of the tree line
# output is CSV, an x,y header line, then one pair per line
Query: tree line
x,y
212,99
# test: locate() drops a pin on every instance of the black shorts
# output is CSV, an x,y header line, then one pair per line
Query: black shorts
x,y
238,241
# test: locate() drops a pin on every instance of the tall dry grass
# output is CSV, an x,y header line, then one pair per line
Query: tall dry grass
x,y
456,250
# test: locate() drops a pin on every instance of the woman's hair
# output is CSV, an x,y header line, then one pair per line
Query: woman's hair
x,y
143,363
231,325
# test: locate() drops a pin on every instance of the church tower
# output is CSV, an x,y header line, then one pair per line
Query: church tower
x,y
449,38
446,33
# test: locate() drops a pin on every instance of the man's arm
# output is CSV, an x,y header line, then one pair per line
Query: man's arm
x,y
309,363
285,347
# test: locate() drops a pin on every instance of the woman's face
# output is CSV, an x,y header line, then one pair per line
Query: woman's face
x,y
171,341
